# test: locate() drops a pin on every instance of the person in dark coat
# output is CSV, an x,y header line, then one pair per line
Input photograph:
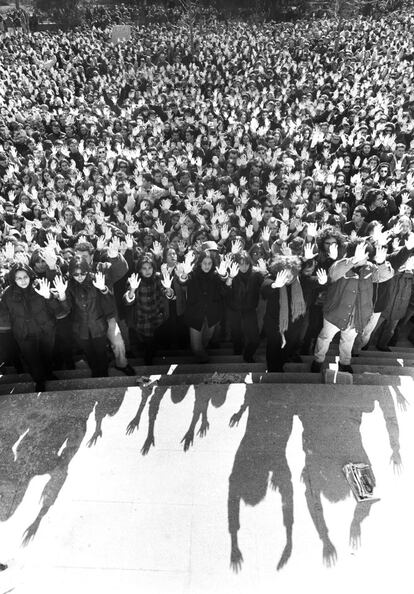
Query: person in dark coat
x,y
242,301
285,309
206,290
32,311
91,306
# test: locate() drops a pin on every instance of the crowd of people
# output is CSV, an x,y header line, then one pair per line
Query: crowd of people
x,y
227,179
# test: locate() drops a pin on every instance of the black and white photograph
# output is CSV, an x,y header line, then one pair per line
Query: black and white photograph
x,y
206,296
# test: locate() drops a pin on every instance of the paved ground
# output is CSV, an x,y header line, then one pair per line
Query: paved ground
x,y
107,518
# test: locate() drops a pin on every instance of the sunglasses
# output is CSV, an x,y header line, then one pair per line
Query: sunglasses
x,y
79,274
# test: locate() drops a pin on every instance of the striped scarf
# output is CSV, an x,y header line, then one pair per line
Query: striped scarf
x,y
297,306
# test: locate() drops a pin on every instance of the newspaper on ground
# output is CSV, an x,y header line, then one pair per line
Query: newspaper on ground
x,y
361,480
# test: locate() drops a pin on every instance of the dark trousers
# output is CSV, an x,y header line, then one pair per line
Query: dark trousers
x,y
95,351
245,334
9,351
143,345
173,332
276,356
37,352
63,355
312,325
386,331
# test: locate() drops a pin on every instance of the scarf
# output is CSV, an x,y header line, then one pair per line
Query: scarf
x,y
297,307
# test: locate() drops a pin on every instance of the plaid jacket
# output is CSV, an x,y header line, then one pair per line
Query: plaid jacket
x,y
149,309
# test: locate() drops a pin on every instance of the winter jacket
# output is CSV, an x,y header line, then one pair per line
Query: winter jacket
x,y
205,299
245,291
28,313
90,309
349,297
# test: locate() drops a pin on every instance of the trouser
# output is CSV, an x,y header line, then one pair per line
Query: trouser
x,y
115,337
199,340
363,337
37,352
9,351
312,325
386,331
95,353
276,354
325,338
173,332
63,353
148,345
244,332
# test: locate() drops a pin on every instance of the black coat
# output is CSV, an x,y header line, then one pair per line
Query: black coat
x,y
90,309
205,299
245,291
29,313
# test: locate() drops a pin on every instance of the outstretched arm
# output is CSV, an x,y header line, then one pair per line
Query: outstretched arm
x,y
313,499
283,480
55,483
134,424
233,510
200,410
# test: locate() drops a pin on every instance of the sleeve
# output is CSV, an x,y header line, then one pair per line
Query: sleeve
x,y
340,269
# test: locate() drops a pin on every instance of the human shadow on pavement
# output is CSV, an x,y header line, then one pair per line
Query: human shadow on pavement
x,y
204,395
39,438
261,454
332,438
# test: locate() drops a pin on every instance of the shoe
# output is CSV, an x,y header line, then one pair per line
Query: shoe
x,y
128,370
365,348
383,349
316,367
345,368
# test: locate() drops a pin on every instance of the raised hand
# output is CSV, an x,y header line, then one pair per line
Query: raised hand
x,y
234,270
409,242
312,229
222,267
43,288
167,280
134,281
159,227
157,249
333,251
360,254
114,248
236,247
308,252
261,266
322,276
265,234
188,262
281,279
60,287
224,232
380,255
99,281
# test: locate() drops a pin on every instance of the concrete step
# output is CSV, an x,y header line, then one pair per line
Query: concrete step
x,y
183,379
386,361
357,368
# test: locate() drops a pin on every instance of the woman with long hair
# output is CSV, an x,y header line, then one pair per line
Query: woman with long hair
x,y
32,311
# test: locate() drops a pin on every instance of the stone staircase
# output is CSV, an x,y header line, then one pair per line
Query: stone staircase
x,y
179,368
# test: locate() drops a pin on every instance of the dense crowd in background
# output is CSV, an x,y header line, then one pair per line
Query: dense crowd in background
x,y
198,183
